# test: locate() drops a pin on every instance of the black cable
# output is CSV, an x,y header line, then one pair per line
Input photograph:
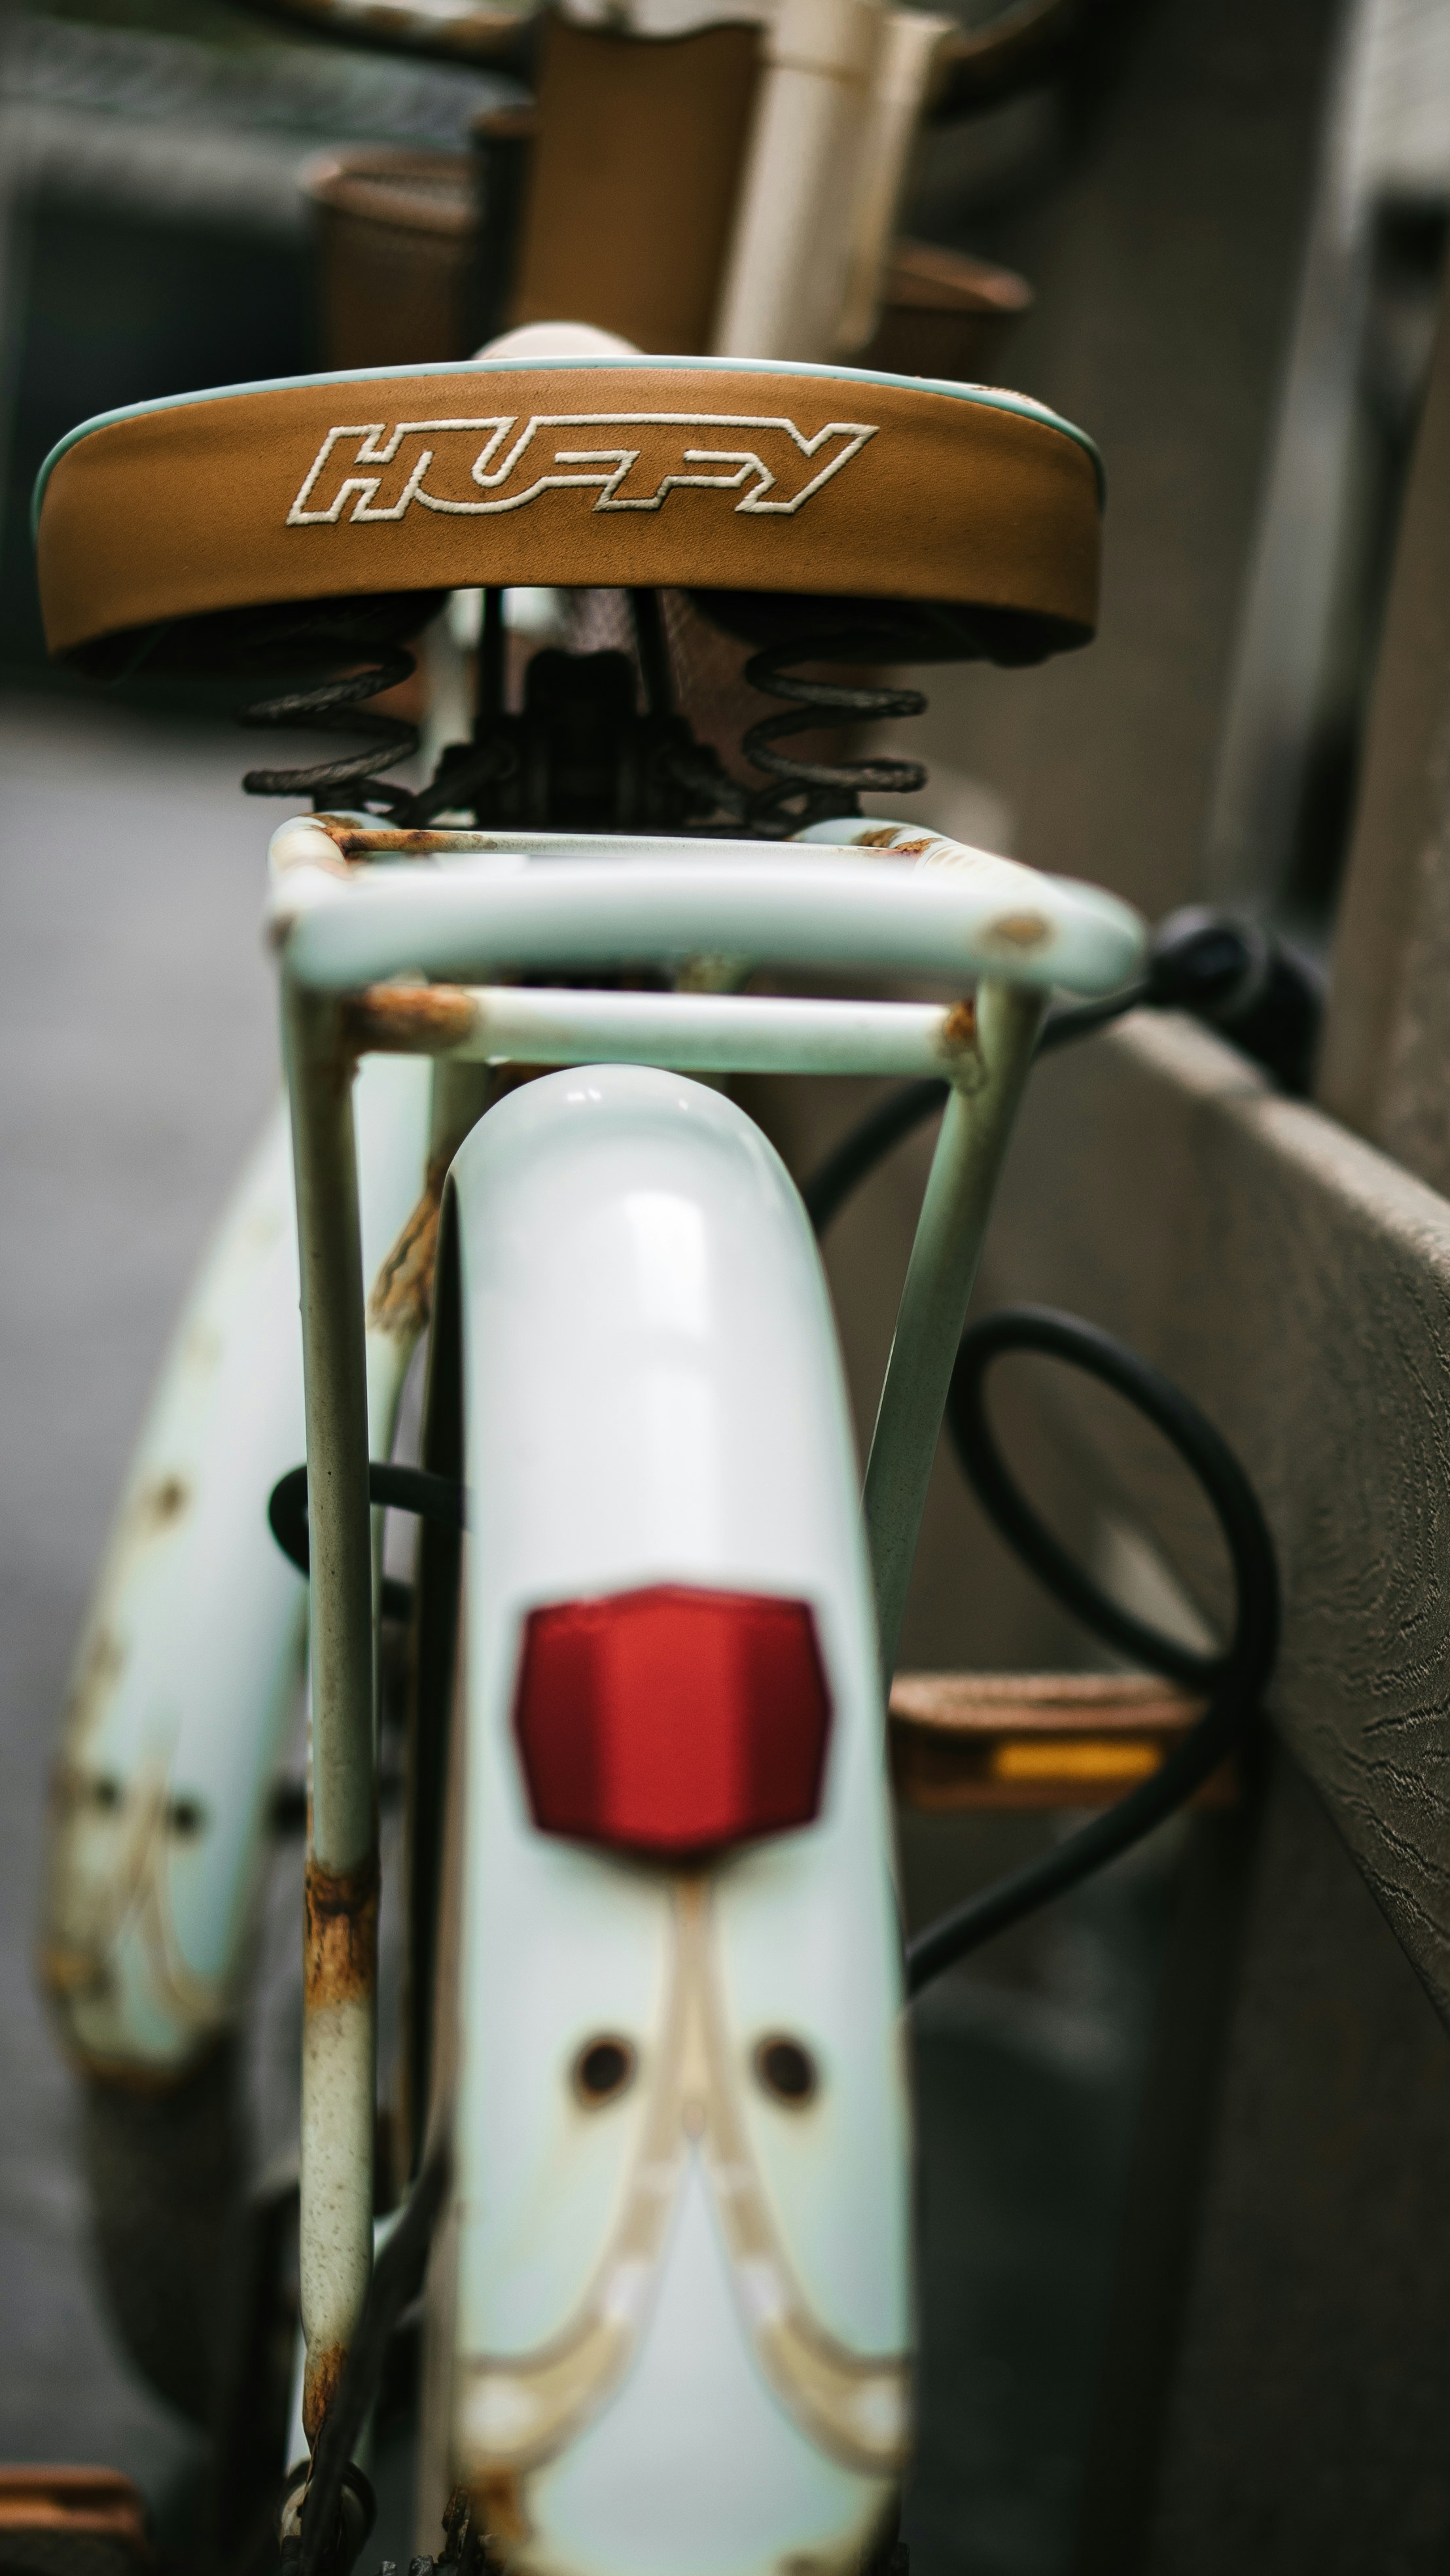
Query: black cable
x,y
402,1489
1069,1021
1234,1680
895,1118
867,1144
1233,975
463,769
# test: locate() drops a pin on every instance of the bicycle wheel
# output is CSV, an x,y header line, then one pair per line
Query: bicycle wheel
x,y
166,2176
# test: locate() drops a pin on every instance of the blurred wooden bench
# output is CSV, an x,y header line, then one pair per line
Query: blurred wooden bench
x,y
72,2522
975,1741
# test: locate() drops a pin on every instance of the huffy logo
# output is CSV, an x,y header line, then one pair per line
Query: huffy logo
x,y
634,460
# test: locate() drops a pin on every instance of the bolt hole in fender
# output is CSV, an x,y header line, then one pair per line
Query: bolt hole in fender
x,y
603,2069
786,2071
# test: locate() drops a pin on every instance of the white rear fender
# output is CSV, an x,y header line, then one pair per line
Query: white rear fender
x,y
191,1658
682,2309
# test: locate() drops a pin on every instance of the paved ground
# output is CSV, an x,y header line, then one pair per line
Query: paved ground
x,y
137,1055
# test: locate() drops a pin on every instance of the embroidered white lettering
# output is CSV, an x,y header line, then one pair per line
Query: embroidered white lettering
x,y
471,467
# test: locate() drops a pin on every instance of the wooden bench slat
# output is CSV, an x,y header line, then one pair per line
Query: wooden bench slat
x,y
1011,1740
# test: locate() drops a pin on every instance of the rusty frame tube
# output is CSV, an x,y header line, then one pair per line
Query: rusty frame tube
x,y
683,1032
341,927
933,1308
956,916
339,2046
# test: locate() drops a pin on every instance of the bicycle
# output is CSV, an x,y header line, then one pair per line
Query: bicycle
x,y
655,2128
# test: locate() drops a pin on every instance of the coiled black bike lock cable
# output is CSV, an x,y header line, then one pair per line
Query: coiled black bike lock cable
x,y
1233,1681
909,1107
1236,976
1233,975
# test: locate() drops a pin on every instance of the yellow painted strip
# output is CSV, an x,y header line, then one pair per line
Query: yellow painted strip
x,y
1079,1757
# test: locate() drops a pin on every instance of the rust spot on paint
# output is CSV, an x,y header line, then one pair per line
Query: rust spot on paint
x,y
889,836
407,1019
321,2381
1021,929
66,1974
959,1028
73,1788
501,2508
340,1934
102,1663
163,1502
402,1295
358,840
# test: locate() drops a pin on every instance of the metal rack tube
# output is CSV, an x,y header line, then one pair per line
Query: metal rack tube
x,y
458,919
341,1900
933,1309
685,1032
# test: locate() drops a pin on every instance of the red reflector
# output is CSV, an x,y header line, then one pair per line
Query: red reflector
x,y
672,1720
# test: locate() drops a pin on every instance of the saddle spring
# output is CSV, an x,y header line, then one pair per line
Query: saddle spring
x,y
336,704
694,792
813,791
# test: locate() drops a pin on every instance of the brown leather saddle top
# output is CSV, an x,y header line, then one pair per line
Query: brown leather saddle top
x,y
974,513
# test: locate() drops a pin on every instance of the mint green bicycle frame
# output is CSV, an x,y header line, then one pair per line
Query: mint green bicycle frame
x,y
380,939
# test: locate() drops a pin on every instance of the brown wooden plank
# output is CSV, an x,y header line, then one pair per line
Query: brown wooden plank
x,y
1013,1740
1298,1284
52,2507
998,1704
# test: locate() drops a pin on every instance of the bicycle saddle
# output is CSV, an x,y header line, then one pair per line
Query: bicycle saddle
x,y
197,528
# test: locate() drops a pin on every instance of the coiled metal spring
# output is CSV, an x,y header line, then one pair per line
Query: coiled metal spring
x,y
335,705
800,792
809,791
